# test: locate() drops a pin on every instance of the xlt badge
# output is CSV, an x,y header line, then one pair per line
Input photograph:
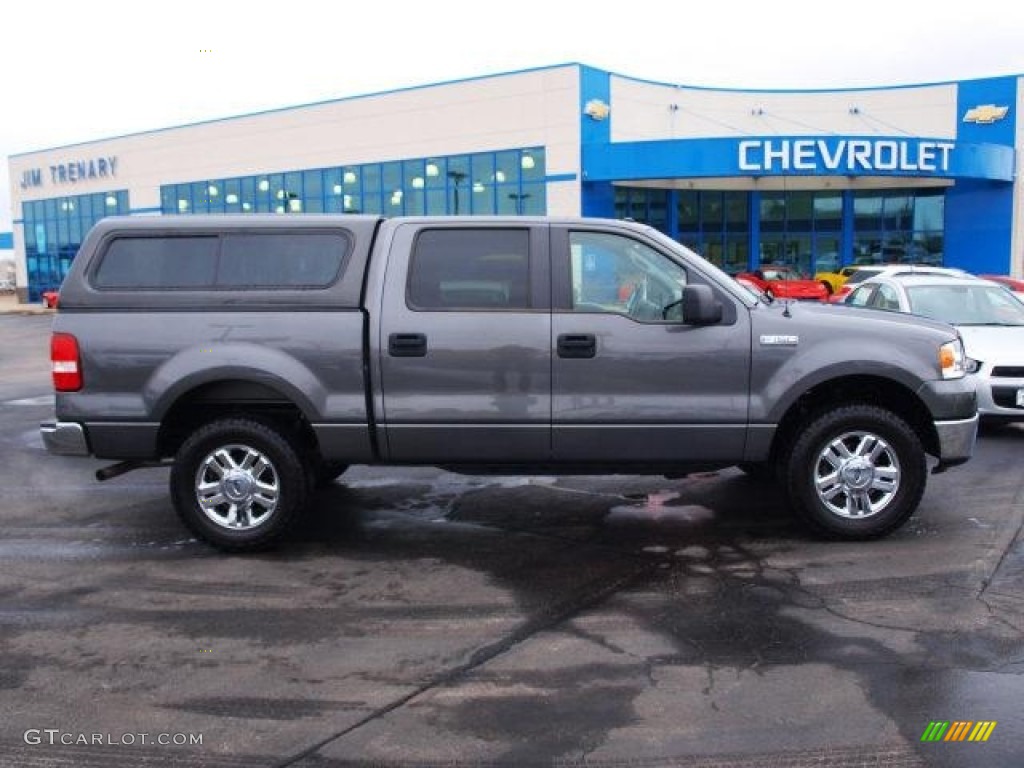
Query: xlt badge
x,y
779,340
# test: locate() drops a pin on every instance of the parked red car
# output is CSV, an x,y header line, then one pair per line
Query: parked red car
x,y
782,282
1013,283
51,299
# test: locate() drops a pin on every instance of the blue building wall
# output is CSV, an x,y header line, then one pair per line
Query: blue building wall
x,y
979,213
595,86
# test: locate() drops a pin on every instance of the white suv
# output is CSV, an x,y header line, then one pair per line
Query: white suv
x,y
868,271
990,321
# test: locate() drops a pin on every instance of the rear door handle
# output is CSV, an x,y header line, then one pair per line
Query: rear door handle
x,y
407,345
577,345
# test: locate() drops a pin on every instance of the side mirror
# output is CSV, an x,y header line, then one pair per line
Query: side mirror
x,y
700,307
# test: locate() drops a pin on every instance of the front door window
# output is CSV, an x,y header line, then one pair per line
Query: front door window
x,y
618,275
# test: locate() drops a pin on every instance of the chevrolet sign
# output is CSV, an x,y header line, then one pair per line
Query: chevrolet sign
x,y
984,114
852,156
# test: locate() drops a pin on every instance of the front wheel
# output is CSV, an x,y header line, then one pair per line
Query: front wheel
x,y
856,472
238,484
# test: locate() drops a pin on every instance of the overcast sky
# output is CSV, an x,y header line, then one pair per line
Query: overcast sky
x,y
78,70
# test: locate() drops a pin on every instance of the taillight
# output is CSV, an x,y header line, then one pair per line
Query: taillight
x,y
67,365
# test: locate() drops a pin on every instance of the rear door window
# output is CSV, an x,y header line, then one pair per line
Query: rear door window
x,y
470,269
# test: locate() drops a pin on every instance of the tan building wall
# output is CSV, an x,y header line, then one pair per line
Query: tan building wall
x,y
535,108
648,111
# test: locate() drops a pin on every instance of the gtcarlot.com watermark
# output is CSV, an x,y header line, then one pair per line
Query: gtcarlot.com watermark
x,y
56,737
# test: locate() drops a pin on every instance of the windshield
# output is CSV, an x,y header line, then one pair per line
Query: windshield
x,y
966,304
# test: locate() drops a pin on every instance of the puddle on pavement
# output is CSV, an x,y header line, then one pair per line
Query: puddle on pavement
x,y
655,508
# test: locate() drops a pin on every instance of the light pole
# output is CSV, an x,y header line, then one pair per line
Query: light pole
x,y
518,199
457,178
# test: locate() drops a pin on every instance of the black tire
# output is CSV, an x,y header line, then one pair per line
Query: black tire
x,y
327,472
264,498
867,494
762,471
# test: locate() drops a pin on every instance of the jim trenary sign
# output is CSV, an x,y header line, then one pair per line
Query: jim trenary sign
x,y
852,156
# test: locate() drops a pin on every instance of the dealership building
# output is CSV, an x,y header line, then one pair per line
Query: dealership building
x,y
815,179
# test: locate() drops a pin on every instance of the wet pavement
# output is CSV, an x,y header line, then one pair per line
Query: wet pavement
x,y
417,617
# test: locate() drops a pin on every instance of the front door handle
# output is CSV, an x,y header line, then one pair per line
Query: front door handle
x,y
577,345
407,345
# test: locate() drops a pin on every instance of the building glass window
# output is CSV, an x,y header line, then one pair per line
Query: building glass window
x,y
773,212
803,229
899,226
828,212
509,182
54,230
715,225
737,218
369,201
867,211
800,211
647,206
688,212
790,224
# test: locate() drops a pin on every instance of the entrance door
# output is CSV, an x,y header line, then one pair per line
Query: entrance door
x,y
629,384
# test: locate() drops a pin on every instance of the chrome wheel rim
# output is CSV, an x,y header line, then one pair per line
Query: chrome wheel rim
x,y
857,475
237,487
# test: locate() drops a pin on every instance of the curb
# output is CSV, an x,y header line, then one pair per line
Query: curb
x,y
26,309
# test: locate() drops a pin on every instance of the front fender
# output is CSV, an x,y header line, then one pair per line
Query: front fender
x,y
800,347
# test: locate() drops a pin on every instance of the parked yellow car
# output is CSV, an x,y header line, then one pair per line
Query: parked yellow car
x,y
833,280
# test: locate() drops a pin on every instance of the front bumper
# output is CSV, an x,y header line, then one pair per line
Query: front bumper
x,y
956,440
65,438
997,395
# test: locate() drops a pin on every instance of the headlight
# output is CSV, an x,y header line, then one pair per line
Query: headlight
x,y
951,359
973,366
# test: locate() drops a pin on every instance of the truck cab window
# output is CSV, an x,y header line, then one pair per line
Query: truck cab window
x,y
619,275
470,269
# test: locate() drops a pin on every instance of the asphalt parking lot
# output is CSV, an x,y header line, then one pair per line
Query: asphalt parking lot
x,y
417,617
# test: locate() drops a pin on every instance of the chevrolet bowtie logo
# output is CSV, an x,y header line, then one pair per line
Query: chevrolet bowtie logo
x,y
983,114
596,109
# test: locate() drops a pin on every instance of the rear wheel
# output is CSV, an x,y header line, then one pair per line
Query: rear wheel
x,y
327,472
238,484
856,472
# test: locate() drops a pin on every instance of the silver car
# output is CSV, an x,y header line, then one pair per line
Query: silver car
x,y
990,320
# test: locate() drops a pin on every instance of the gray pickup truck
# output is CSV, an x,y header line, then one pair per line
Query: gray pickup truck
x,y
263,355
